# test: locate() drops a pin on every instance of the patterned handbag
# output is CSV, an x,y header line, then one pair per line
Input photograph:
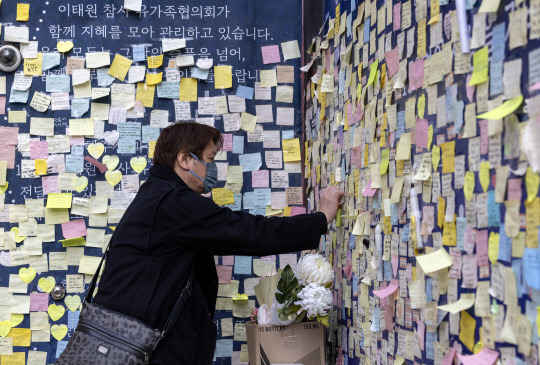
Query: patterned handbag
x,y
106,337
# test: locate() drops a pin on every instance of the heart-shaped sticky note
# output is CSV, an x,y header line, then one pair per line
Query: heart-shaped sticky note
x,y
81,183
18,238
64,46
110,161
16,319
46,284
468,185
3,188
56,311
532,181
5,328
59,331
72,302
27,274
483,175
113,177
96,149
138,163
111,137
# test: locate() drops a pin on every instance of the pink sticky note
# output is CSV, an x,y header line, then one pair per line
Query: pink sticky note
x,y
482,247
392,61
39,149
397,16
74,228
39,302
470,88
297,210
484,136
484,357
416,75
449,357
9,135
224,274
422,126
514,189
359,112
350,119
50,184
228,260
270,54
535,87
383,293
3,105
227,142
260,178
395,261
421,333
369,191
7,153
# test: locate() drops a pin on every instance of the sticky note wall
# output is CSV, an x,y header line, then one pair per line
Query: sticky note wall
x,y
425,113
79,120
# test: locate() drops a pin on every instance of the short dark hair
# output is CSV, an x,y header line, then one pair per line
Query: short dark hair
x,y
187,136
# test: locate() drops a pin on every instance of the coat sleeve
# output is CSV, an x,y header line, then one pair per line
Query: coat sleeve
x,y
202,223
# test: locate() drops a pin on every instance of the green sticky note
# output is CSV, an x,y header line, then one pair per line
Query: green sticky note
x,y
73,242
338,218
480,66
373,72
385,160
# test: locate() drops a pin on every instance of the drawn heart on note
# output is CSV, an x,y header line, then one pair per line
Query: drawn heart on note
x,y
16,319
46,284
64,46
81,183
3,188
138,163
18,238
59,331
110,161
113,177
56,311
72,302
96,149
111,137
27,274
5,328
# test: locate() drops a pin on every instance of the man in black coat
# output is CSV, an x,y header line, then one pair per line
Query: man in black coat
x,y
170,226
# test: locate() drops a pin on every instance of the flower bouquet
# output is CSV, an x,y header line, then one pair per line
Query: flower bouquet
x,y
304,292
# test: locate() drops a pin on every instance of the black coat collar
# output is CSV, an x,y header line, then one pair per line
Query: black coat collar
x,y
166,172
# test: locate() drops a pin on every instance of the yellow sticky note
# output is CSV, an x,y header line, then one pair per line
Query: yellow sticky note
x,y
483,175
440,211
493,247
403,151
17,116
291,150
449,233
372,72
434,261
222,196
480,66
248,122
120,67
151,148
33,66
59,200
467,328
154,79
40,166
188,89
145,93
268,78
448,157
17,358
435,11
73,242
468,185
81,127
155,61
21,337
532,181
430,137
422,106
23,12
507,108
222,77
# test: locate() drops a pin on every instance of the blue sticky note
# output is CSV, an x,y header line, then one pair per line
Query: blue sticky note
x,y
451,100
460,105
104,79
77,149
139,52
431,337
394,214
494,211
242,265
353,5
429,293
129,130
498,42
250,161
366,29
237,203
249,200
73,319
50,60
224,348
287,134
258,211
355,284
149,133
79,107
199,73
376,317
352,242
341,87
126,146
400,123
60,346
245,92
263,197
168,90
516,267
57,83
531,260
238,145
461,229
323,242
495,78
74,163
505,245
19,96
405,233
387,270
349,25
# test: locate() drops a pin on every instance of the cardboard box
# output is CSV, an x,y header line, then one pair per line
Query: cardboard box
x,y
298,343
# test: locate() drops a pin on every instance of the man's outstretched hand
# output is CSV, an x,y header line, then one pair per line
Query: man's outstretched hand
x,y
329,202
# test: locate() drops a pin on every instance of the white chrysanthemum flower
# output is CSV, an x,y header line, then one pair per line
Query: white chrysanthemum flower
x,y
314,269
316,300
